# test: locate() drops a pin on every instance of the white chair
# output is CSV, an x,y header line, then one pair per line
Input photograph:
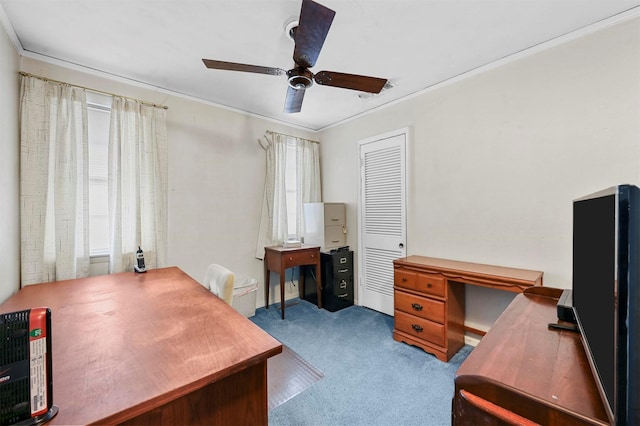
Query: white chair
x,y
220,281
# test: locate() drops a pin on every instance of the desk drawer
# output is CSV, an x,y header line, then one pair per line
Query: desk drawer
x,y
422,307
299,258
431,284
420,328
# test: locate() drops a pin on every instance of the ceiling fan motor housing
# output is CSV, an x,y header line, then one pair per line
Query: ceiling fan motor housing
x,y
300,78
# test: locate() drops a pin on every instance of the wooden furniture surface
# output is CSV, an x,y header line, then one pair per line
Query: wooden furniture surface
x,y
522,372
429,298
151,348
278,259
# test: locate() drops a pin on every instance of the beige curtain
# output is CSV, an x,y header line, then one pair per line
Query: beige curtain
x,y
274,220
138,185
54,178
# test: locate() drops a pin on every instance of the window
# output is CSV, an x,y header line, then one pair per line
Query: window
x,y
98,117
291,179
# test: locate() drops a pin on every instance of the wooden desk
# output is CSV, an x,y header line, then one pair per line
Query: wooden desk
x,y
429,299
152,348
279,259
522,372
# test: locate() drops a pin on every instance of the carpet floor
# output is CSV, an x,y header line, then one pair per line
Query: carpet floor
x,y
369,379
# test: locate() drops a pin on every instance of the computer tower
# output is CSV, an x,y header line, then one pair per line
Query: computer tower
x,y
337,280
26,379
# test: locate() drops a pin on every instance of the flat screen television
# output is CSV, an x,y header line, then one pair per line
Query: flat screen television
x,y
606,295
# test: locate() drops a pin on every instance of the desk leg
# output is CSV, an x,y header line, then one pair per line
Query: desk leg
x,y
267,275
282,276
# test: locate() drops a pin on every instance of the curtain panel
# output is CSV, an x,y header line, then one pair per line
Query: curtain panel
x,y
54,178
274,219
138,184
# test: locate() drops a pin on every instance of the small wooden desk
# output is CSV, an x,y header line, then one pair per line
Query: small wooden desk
x,y
523,373
152,348
429,299
279,259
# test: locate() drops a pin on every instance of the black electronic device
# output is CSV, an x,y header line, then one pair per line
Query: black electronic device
x,y
26,375
139,265
606,295
565,307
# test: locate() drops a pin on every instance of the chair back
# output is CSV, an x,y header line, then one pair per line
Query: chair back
x,y
220,281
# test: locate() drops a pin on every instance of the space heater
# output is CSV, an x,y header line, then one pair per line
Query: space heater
x,y
26,396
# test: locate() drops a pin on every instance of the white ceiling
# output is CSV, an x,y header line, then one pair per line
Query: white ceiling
x,y
415,44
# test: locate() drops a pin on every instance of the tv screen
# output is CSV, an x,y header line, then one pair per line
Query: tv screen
x,y
605,294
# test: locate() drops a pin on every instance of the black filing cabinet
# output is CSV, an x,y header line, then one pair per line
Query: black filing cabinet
x,y
337,280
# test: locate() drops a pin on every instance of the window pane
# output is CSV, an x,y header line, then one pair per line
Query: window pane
x,y
99,110
292,191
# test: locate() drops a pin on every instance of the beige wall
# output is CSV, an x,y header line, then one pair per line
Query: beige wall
x,y
9,162
496,159
216,176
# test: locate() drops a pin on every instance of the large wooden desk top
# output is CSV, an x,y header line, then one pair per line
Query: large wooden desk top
x,y
500,277
126,344
523,368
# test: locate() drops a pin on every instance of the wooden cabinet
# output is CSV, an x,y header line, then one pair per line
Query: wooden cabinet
x,y
325,225
429,311
525,373
429,298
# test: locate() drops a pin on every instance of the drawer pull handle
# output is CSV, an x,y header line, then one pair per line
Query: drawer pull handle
x,y
333,219
291,258
335,241
343,260
342,271
404,280
416,306
342,296
417,328
429,285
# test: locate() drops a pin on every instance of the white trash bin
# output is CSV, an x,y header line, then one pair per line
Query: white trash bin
x,y
244,296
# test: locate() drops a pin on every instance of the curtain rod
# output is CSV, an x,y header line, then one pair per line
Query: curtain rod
x,y
270,132
26,74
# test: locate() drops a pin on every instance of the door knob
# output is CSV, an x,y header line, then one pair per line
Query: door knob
x,y
401,245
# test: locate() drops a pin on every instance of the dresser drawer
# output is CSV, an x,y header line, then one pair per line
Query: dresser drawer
x,y
420,328
405,279
430,284
422,307
299,258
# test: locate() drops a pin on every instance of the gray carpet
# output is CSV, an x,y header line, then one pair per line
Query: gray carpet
x,y
369,379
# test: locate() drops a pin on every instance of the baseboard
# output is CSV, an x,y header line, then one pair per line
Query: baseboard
x,y
472,341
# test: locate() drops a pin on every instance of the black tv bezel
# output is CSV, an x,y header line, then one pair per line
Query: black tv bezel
x,y
621,409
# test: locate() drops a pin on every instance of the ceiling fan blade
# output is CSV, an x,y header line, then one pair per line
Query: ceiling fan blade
x,y
232,66
293,103
313,27
350,81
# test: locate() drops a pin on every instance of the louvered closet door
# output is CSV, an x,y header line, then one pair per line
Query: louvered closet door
x,y
383,218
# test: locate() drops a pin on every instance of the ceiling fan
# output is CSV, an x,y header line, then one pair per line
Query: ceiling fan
x,y
313,27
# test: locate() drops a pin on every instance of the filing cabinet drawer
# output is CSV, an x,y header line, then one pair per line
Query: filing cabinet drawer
x,y
334,236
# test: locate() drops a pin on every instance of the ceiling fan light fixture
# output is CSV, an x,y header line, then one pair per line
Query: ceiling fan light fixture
x,y
300,78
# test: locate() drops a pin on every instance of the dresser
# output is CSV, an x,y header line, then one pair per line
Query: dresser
x,y
428,311
429,298
325,225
